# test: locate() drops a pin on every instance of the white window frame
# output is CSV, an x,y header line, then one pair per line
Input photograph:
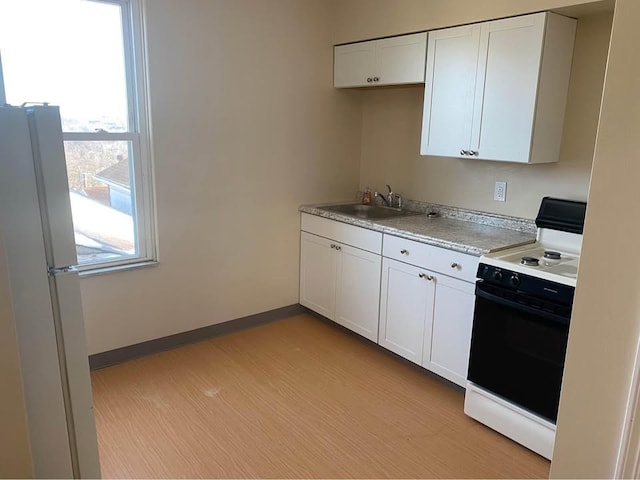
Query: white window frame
x,y
139,136
3,96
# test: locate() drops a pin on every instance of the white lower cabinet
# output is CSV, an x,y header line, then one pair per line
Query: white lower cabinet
x,y
426,316
448,355
391,292
340,282
318,272
406,309
358,291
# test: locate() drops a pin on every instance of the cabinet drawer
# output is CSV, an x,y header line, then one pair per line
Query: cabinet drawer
x,y
455,264
341,232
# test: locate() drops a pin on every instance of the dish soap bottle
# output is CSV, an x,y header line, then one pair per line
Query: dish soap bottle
x,y
366,196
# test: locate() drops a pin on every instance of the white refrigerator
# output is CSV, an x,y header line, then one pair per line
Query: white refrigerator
x,y
36,223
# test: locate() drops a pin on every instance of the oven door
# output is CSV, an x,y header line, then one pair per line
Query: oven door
x,y
518,350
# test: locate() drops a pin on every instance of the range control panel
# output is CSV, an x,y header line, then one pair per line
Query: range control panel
x,y
526,284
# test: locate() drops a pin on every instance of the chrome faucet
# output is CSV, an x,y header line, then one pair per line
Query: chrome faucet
x,y
390,196
382,197
393,200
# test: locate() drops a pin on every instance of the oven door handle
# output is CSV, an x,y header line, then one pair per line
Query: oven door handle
x,y
522,307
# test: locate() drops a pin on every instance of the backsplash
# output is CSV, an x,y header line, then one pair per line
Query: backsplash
x,y
524,225
495,220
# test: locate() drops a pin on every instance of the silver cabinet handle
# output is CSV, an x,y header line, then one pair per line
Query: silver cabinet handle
x,y
454,265
369,79
375,79
463,152
338,247
474,152
425,276
404,252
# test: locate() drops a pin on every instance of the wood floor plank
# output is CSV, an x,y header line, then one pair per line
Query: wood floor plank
x,y
296,398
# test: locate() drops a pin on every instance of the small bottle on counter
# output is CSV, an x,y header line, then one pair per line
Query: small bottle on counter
x,y
366,196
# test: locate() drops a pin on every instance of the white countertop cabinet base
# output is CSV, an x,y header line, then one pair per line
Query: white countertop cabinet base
x,y
451,329
426,317
338,280
318,274
357,291
392,291
406,310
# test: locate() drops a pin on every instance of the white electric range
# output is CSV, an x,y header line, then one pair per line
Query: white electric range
x,y
524,298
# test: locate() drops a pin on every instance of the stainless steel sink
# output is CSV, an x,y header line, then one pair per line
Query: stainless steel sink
x,y
369,212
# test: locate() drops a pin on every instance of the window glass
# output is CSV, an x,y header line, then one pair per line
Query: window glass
x,y
102,200
68,53
78,54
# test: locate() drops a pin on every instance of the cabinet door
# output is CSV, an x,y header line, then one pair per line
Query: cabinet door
x,y
358,291
401,59
318,274
406,309
354,64
506,87
452,57
451,331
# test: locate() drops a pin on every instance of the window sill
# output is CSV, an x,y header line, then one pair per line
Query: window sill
x,y
97,270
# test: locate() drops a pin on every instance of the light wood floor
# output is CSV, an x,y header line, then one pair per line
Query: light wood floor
x,y
294,398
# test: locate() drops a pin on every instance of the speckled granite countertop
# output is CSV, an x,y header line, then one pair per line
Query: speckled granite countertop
x,y
460,230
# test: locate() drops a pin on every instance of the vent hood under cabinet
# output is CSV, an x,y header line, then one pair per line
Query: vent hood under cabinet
x,y
497,90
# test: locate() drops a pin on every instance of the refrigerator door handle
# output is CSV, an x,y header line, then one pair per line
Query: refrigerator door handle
x,y
74,367
53,271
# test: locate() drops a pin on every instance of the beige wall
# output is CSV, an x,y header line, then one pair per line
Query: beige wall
x,y
246,126
364,19
391,128
15,454
606,316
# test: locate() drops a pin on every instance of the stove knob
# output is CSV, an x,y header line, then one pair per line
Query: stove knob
x,y
497,275
514,280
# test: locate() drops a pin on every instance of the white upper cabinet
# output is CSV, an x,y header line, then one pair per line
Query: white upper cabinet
x,y
390,61
497,90
354,64
452,57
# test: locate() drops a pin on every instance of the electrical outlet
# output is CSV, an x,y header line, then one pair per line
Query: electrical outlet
x,y
500,192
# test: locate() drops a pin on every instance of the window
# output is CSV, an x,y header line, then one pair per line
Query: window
x,y
86,56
